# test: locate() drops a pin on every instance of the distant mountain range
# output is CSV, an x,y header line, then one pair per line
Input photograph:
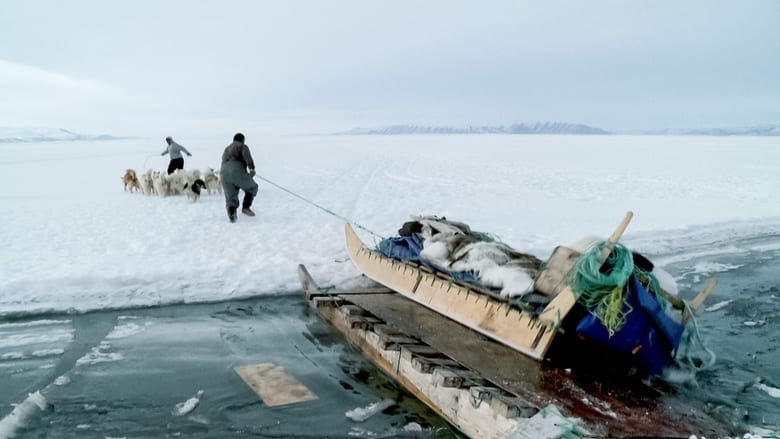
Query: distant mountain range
x,y
560,128
518,128
755,130
30,135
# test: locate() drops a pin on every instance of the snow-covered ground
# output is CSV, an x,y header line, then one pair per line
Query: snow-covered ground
x,y
73,240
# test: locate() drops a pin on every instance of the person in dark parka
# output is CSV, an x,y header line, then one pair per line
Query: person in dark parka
x,y
236,174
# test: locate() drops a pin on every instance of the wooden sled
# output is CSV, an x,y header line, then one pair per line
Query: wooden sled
x,y
488,390
478,309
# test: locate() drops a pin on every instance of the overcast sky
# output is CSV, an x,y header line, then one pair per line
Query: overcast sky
x,y
138,67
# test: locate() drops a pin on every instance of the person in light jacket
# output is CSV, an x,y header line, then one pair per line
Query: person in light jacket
x,y
175,150
236,173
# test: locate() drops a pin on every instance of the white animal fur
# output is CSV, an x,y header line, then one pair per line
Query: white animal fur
x,y
176,182
160,184
147,185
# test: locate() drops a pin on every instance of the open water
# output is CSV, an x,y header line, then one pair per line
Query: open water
x,y
168,371
130,374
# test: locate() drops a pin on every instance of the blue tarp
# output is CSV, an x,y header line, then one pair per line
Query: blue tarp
x,y
407,248
403,248
648,332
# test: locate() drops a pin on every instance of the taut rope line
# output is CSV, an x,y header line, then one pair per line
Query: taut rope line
x,y
324,209
147,159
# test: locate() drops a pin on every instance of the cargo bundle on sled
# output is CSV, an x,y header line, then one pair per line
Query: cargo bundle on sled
x,y
606,295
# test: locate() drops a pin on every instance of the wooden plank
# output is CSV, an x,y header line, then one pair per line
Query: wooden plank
x,y
364,290
273,385
352,310
444,377
427,364
318,301
458,376
361,322
394,342
552,279
704,294
307,282
700,298
311,288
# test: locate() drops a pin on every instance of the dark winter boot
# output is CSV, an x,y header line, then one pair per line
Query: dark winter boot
x,y
245,206
232,216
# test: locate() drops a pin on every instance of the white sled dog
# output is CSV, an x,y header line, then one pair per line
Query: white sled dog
x,y
147,185
159,184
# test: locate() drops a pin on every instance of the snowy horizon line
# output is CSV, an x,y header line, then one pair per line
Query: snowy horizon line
x,y
44,134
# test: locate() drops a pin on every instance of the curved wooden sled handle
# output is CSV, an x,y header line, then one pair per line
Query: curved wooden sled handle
x,y
700,298
615,237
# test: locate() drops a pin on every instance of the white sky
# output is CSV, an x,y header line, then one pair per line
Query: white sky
x,y
146,67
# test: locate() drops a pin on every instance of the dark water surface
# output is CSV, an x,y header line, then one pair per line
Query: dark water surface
x,y
741,327
127,383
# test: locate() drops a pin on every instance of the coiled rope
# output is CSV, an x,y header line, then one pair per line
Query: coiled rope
x,y
600,288
322,208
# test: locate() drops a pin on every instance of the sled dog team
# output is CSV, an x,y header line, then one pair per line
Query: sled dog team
x,y
180,182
